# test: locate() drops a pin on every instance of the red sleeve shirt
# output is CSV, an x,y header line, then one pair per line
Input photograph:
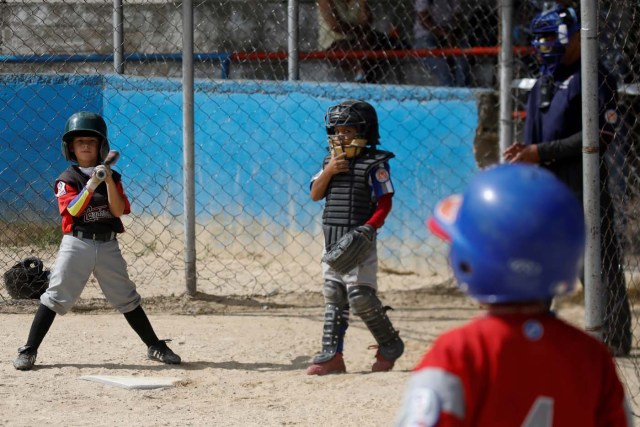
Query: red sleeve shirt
x,y
515,370
382,210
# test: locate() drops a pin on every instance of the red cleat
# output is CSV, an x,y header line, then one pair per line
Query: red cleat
x,y
381,364
332,366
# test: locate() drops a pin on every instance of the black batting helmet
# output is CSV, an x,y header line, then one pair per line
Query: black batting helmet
x,y
85,123
27,279
356,113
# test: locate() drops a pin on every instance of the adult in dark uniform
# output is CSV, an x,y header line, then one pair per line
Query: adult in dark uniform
x,y
553,138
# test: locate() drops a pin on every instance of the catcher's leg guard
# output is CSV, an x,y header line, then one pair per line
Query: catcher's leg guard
x,y
335,321
365,303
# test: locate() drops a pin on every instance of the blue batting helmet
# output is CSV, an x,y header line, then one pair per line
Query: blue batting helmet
x,y
551,30
517,234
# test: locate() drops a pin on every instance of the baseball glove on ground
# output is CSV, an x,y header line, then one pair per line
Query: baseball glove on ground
x,y
351,249
27,279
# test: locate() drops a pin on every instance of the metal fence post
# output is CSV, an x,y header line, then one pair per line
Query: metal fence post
x,y
188,147
506,75
593,286
118,37
292,39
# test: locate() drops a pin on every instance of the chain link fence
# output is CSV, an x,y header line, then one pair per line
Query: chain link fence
x,y
259,135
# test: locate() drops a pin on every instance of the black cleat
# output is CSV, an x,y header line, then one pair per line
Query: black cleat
x,y
26,358
162,353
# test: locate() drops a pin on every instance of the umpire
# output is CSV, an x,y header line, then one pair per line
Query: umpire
x,y
553,138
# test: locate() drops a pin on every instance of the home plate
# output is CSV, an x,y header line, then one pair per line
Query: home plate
x,y
139,383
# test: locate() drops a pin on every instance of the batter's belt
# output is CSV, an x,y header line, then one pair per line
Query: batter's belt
x,y
102,237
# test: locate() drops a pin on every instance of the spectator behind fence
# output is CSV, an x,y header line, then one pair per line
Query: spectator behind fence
x,y
516,240
553,138
438,25
348,25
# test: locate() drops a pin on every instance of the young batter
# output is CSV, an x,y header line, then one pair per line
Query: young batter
x,y
90,209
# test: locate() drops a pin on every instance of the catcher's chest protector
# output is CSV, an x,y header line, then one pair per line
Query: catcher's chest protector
x,y
348,199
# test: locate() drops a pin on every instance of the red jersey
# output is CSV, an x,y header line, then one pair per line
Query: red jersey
x,y
516,370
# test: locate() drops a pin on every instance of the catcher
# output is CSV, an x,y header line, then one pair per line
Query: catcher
x,y
90,208
356,185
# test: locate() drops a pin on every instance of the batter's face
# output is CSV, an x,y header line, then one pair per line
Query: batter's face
x,y
85,149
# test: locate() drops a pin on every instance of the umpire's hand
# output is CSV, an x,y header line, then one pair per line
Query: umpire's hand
x,y
520,153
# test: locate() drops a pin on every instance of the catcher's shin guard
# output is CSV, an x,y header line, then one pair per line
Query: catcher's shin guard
x,y
336,321
365,303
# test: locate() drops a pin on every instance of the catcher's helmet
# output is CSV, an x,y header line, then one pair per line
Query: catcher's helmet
x,y
27,279
551,30
85,123
355,113
517,234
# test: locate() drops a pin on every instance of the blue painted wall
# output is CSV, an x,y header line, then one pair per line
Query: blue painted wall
x,y
33,111
257,143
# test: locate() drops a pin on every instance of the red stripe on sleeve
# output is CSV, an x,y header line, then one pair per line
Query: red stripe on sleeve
x,y
382,210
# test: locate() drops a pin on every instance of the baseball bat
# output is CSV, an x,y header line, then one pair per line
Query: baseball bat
x,y
110,160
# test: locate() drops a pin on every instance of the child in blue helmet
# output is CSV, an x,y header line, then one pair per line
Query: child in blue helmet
x,y
516,241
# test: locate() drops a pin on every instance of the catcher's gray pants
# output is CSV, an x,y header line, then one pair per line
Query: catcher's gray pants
x,y
76,260
365,274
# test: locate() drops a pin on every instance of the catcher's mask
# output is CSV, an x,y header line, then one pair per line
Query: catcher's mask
x,y
85,123
27,279
352,113
551,31
499,255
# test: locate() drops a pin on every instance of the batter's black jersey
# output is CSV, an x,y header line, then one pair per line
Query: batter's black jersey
x,y
96,217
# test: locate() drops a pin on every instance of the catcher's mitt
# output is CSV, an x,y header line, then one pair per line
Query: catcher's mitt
x,y
27,279
350,250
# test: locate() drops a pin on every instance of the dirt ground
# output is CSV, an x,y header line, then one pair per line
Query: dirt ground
x,y
244,363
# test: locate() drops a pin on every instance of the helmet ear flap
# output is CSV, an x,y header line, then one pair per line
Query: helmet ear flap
x,y
563,34
104,150
67,153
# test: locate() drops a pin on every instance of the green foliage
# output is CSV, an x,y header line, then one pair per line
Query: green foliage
x,y
29,234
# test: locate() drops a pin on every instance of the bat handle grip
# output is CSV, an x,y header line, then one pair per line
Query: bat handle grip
x,y
101,175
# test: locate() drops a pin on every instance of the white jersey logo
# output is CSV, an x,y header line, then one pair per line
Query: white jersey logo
x,y
92,214
62,189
